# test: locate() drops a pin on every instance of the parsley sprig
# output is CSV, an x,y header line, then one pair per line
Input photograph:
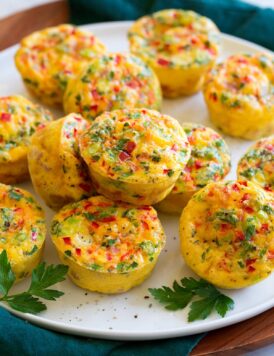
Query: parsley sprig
x,y
207,298
42,278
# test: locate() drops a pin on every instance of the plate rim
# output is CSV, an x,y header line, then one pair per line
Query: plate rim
x,y
191,328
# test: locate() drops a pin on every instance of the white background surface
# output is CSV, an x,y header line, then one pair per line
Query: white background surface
x,y
8,7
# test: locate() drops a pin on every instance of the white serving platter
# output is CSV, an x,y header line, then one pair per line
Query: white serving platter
x,y
133,316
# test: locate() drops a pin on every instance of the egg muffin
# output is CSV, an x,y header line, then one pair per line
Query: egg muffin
x,y
112,81
227,234
239,95
19,119
257,165
23,229
134,155
209,162
47,58
179,45
109,247
58,173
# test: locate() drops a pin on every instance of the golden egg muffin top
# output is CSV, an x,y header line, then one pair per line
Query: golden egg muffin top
x,y
137,145
227,233
112,81
209,160
19,119
53,55
242,80
73,168
22,223
257,165
174,38
105,236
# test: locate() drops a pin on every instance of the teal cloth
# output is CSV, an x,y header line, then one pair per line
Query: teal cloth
x,y
17,337
231,16
237,18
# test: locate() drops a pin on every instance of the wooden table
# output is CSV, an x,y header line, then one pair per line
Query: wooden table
x,y
232,340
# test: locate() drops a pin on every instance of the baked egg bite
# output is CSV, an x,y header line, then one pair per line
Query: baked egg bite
x,y
112,81
209,162
58,173
257,165
109,247
227,234
19,119
179,45
134,155
47,58
23,229
239,95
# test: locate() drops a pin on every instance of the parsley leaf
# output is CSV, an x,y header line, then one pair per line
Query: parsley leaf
x,y
175,299
42,277
26,303
7,277
207,298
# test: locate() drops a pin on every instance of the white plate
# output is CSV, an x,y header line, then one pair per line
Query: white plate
x,y
131,316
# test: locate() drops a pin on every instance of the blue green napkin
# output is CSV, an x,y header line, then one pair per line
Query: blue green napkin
x,y
231,16
18,337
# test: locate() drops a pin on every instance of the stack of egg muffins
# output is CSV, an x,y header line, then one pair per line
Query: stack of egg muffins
x,y
114,155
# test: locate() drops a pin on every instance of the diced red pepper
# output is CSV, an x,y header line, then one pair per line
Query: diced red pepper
x,y
95,225
245,197
250,261
5,117
198,164
251,269
67,240
118,59
239,236
125,255
269,147
87,205
108,219
133,84
242,60
78,251
95,94
130,146
243,182
248,209
163,62
235,187
94,107
144,207
246,79
145,225
109,257
213,96
224,227
270,254
264,228
123,156
85,186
